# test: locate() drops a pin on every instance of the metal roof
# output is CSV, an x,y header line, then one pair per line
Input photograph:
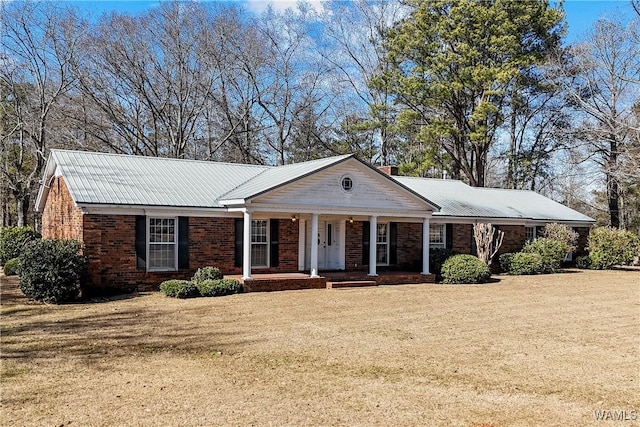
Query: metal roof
x,y
114,179
457,199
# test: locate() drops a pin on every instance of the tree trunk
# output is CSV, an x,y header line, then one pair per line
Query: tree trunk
x,y
612,184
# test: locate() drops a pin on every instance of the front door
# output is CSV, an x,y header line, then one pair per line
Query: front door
x,y
329,245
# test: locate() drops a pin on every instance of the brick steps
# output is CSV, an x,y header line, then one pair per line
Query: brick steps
x,y
351,284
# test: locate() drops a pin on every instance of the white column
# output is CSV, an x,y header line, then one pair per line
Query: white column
x,y
373,233
425,246
302,236
246,246
314,245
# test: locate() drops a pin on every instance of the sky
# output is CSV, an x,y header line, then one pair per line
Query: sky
x,y
580,14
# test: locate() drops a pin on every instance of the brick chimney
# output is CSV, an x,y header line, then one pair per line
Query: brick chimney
x,y
389,170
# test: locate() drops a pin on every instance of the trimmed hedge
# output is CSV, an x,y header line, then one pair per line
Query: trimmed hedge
x,y
465,269
505,261
526,263
609,246
51,270
220,287
13,240
179,289
552,252
207,273
12,267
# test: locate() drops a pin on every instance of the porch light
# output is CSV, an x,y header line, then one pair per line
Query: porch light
x,y
294,218
350,220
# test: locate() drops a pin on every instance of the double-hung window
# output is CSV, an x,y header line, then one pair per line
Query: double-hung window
x,y
162,243
529,233
382,244
260,243
436,236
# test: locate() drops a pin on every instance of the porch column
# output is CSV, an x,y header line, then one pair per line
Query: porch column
x,y
373,234
314,245
425,246
302,236
246,246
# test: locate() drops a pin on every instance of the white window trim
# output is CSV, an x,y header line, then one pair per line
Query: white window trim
x,y
438,245
175,243
387,243
268,244
525,233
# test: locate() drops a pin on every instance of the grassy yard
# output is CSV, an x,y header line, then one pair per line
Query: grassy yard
x,y
524,351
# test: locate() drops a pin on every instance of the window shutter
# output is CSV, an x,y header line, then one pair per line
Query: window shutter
x,y
274,243
183,242
141,242
239,242
393,243
366,227
448,234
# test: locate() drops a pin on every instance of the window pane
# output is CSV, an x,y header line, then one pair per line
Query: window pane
x,y
259,255
436,233
381,253
381,235
161,256
162,243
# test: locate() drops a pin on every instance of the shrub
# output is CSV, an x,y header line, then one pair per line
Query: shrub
x,y
526,263
437,257
12,267
583,262
13,240
609,246
50,270
465,269
207,273
562,233
552,252
505,261
179,289
220,287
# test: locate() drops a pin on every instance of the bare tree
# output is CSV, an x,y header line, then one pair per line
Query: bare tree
x,y
488,241
35,73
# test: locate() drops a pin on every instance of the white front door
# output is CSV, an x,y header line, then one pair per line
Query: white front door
x,y
330,239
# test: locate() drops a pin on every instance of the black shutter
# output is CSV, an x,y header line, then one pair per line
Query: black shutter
x,y
141,242
448,233
239,242
393,243
274,244
183,242
366,227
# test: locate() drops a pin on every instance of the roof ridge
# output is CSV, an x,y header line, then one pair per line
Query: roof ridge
x,y
137,156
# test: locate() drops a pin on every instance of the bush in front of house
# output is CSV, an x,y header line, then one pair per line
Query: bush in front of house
x,y
505,261
552,252
219,287
465,269
583,262
526,263
51,270
12,267
179,288
562,233
437,257
207,273
13,240
610,246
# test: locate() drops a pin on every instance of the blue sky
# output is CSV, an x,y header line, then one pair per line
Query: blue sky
x,y
580,13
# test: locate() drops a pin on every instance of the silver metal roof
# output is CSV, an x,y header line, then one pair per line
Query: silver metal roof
x,y
457,199
113,179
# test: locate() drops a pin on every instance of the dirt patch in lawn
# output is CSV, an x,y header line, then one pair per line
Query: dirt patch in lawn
x,y
542,350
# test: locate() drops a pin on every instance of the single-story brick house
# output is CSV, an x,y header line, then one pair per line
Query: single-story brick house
x,y
145,219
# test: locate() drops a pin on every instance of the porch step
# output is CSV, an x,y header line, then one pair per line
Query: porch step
x,y
351,284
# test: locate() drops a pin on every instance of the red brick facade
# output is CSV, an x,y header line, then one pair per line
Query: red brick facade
x,y
110,244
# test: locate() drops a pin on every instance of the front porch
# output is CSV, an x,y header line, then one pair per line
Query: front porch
x,y
329,280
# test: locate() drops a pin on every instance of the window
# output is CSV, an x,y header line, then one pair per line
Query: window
x,y
259,243
529,234
436,236
382,244
347,183
162,244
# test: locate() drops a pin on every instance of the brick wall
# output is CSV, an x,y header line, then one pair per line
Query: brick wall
x,y
61,219
409,246
353,247
513,240
462,238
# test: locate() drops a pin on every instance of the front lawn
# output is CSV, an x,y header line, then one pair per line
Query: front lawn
x,y
529,350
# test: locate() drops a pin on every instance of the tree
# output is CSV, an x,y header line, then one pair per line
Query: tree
x,y
35,74
607,88
453,64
